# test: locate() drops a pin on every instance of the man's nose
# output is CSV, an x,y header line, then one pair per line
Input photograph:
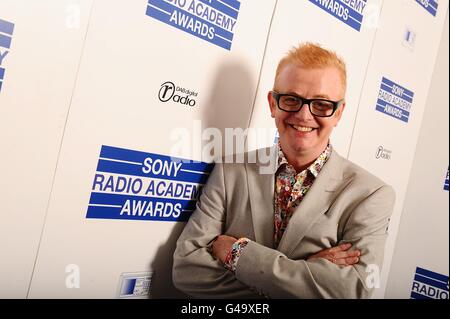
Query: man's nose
x,y
304,113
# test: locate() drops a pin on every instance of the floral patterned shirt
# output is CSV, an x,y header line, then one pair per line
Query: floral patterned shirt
x,y
290,189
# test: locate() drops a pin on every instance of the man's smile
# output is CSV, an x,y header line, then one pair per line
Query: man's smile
x,y
302,128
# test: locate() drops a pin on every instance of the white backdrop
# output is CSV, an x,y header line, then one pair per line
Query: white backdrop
x,y
101,87
116,103
410,66
40,72
423,233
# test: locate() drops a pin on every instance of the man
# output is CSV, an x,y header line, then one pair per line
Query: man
x,y
287,234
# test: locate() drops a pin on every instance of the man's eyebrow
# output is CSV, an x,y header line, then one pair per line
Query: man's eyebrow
x,y
293,93
321,96
317,96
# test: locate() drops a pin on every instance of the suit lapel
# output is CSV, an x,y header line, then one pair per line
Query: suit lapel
x,y
260,179
316,202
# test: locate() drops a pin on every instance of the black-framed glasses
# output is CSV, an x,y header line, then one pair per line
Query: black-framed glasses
x,y
317,107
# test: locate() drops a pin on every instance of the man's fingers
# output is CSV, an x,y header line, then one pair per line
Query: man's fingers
x,y
342,247
340,262
351,260
344,261
346,254
339,255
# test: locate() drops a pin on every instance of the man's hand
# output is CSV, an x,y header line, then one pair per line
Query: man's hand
x,y
221,246
339,255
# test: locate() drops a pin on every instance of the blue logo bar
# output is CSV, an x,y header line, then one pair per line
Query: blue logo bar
x,y
6,27
6,31
145,186
2,74
128,286
429,285
5,41
430,5
211,20
394,100
349,12
446,181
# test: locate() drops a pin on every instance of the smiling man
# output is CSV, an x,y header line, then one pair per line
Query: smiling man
x,y
309,229
305,131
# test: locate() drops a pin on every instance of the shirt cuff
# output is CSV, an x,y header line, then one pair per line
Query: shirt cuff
x,y
235,252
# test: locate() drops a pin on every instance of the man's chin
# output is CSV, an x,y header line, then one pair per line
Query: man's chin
x,y
300,148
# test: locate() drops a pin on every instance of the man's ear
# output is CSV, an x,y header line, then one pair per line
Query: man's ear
x,y
272,105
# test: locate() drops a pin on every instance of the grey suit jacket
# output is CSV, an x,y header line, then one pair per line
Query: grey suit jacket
x,y
345,204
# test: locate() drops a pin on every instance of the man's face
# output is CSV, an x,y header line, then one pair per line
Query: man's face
x,y
301,133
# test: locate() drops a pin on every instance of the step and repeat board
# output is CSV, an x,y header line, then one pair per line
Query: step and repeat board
x,y
152,75
420,264
41,44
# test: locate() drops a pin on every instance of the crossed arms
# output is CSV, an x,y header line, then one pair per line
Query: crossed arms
x,y
263,271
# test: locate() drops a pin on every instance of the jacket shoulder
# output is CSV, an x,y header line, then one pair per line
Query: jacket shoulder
x,y
358,176
260,157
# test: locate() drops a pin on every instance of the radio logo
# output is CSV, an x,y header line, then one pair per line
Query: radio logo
x,y
394,100
137,185
430,5
429,285
211,20
348,12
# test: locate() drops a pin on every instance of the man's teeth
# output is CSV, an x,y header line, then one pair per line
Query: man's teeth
x,y
302,128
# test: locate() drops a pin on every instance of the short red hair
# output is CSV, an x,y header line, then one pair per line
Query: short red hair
x,y
311,56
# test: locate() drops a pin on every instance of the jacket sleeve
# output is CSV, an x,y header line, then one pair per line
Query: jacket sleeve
x,y
275,275
195,271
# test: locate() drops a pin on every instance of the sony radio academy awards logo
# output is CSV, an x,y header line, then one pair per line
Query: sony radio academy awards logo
x,y
383,153
171,92
349,12
211,20
137,185
430,5
6,32
394,100
428,284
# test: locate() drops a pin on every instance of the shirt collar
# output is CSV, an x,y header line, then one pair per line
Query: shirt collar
x,y
315,167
